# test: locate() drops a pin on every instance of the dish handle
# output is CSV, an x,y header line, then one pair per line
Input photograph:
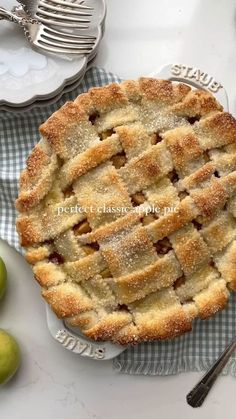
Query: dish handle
x,y
194,77
73,340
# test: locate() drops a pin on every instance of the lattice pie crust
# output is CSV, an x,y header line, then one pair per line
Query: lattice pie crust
x,y
131,277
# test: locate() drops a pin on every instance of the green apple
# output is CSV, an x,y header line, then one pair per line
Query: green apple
x,y
9,356
3,278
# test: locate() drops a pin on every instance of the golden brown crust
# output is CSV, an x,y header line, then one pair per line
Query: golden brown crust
x,y
197,103
226,262
86,267
162,91
132,276
210,200
190,249
212,300
138,284
67,300
27,231
37,179
184,147
36,227
167,224
91,158
102,99
156,315
143,170
56,127
109,326
195,179
48,274
221,127
38,254
172,324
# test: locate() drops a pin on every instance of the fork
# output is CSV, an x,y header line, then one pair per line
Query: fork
x,y
48,39
58,12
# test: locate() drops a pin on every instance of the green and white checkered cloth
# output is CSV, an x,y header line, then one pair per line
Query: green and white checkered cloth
x,y
193,351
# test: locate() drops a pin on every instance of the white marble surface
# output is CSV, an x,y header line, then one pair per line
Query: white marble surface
x,y
53,383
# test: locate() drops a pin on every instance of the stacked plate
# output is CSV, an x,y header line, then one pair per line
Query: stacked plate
x,y
29,79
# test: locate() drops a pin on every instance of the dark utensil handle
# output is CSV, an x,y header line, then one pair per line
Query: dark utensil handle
x,y
198,394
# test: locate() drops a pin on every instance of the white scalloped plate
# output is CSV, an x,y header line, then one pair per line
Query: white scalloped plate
x,y
69,86
27,76
45,102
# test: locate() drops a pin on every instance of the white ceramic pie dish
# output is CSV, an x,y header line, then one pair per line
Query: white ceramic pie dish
x,y
27,76
71,338
194,77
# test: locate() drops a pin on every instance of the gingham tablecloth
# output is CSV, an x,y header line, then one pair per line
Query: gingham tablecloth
x,y
193,351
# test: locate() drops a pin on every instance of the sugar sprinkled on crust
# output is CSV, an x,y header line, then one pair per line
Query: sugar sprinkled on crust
x,y
132,277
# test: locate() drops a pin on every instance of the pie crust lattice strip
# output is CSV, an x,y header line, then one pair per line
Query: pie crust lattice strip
x,y
128,275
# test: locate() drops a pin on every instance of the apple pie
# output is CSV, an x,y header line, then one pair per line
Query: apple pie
x,y
127,210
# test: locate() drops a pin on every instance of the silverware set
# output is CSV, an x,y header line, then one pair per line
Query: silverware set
x,y
59,12
38,18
